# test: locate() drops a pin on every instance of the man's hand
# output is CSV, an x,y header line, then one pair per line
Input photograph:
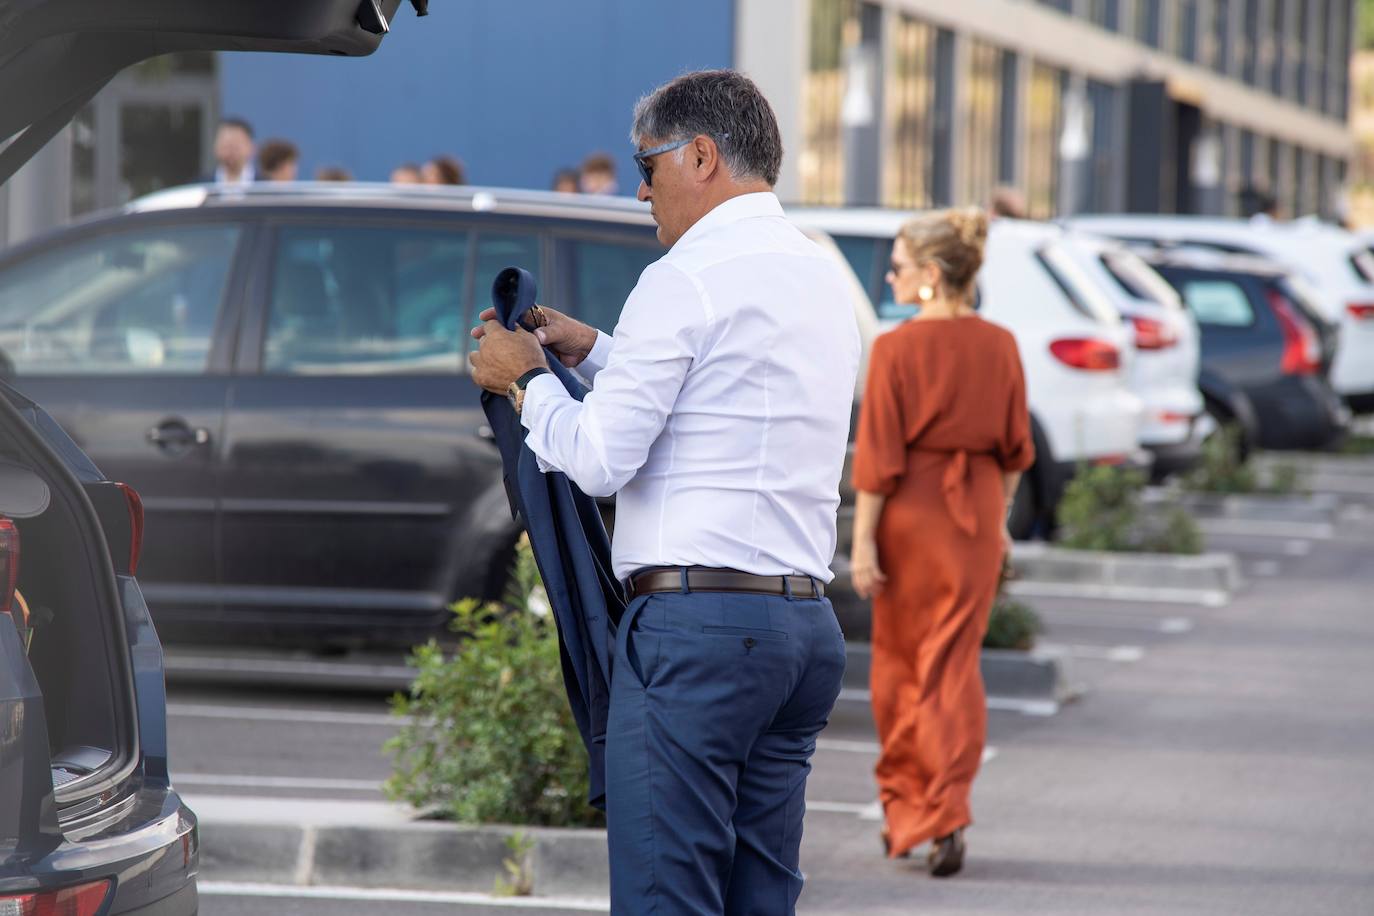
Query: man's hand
x,y
569,339
504,356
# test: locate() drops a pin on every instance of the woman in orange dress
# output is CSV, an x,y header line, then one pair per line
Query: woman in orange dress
x,y
943,438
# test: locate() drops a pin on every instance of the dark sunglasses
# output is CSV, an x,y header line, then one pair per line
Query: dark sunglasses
x,y
646,168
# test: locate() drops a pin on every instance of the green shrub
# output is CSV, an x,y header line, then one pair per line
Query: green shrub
x,y
1358,445
1012,625
1101,510
1225,468
488,736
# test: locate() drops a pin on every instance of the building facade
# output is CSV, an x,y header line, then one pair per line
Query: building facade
x,y
1083,105
1189,106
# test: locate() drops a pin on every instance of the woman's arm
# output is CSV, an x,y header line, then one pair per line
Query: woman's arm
x,y
867,576
1010,481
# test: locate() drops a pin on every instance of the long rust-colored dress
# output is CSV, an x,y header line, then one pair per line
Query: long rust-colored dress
x,y
944,415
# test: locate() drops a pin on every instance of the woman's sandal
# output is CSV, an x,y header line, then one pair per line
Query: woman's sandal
x,y
946,855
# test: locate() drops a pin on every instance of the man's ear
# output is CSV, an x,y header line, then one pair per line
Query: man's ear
x,y
707,156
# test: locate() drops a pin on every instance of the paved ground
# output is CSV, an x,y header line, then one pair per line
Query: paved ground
x,y
1219,763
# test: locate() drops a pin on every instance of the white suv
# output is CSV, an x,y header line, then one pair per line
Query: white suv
x,y
1076,351
1338,268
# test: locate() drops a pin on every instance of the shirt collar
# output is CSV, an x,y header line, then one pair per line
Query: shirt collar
x,y
744,206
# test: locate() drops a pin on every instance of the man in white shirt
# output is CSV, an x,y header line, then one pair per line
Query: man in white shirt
x,y
719,414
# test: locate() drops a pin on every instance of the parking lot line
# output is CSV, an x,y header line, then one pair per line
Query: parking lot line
x,y
272,714
397,895
1317,531
1104,653
1000,704
1111,621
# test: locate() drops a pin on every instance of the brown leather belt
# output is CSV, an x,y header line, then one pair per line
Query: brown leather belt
x,y
704,579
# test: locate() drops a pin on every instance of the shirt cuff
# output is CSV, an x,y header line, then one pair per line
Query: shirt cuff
x,y
596,360
542,391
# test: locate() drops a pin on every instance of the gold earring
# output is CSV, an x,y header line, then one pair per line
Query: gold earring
x,y
925,293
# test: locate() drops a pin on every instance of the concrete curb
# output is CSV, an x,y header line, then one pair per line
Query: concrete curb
x,y
1254,515
1047,571
391,851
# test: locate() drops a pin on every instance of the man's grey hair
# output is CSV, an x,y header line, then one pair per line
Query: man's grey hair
x,y
726,106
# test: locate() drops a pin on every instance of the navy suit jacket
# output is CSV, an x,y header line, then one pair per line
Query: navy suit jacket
x,y
570,547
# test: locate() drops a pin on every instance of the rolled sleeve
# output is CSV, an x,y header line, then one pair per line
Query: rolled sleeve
x,y
880,445
601,441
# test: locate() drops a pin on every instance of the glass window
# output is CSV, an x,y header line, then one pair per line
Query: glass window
x,y
982,122
1148,20
495,252
599,275
1045,121
835,32
368,301
1083,294
909,101
1139,279
131,302
1219,302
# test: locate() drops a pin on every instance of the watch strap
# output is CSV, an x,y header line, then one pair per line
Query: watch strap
x,y
530,376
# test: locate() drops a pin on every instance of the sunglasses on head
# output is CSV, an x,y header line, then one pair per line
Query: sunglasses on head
x,y
646,167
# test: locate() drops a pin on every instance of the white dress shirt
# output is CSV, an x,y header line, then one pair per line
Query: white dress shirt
x,y
720,409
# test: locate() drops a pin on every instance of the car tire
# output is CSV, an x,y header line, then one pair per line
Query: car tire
x,y
1025,509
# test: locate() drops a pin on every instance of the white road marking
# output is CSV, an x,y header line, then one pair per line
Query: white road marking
x,y
1111,621
1175,625
276,782
848,747
1259,528
397,895
1297,548
1106,653
1264,568
273,714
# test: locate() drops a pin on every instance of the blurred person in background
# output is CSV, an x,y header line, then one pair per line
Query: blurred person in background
x,y
233,153
444,170
278,160
598,175
407,173
944,435
333,173
567,181
1007,203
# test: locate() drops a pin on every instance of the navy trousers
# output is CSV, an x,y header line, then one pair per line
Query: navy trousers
x,y
716,702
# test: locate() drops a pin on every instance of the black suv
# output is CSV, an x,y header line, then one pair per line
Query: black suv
x,y
1266,351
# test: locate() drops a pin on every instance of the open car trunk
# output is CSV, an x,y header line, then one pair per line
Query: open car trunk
x,y
56,54
69,731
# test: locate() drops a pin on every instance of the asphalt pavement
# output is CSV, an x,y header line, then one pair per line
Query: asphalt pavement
x,y
1218,762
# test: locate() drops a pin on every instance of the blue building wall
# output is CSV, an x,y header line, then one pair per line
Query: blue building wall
x,y
515,88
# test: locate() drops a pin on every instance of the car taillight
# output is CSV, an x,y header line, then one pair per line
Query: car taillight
x,y
1151,334
1087,353
9,568
1302,350
135,525
1363,311
80,900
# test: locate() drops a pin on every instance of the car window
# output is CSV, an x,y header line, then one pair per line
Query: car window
x,y
367,300
1080,290
870,258
142,301
1139,279
495,252
1219,302
598,276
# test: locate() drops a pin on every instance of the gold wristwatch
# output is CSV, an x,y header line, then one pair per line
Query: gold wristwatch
x,y
515,393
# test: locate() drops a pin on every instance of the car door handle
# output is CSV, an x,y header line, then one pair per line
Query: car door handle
x,y
175,434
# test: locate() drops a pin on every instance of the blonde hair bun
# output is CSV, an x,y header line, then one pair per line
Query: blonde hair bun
x,y
952,240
